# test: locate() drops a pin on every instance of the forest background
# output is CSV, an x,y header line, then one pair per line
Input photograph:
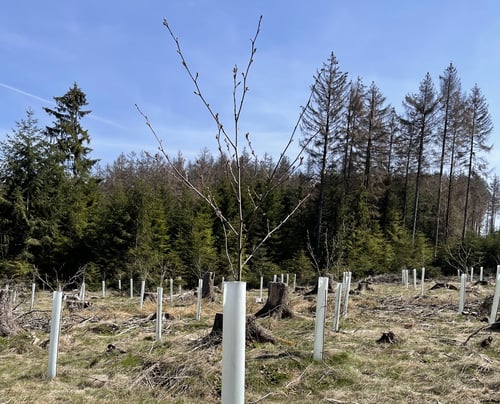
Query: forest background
x,y
390,189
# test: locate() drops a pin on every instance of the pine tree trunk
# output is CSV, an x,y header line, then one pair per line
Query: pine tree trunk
x,y
277,302
8,325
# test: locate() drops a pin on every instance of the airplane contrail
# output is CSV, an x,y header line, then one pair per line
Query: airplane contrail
x,y
51,102
17,90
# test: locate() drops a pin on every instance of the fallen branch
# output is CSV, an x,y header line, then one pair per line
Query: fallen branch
x,y
474,333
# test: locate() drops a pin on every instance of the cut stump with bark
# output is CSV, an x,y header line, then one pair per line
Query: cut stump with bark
x,y
443,285
8,325
277,305
208,290
253,331
314,291
387,337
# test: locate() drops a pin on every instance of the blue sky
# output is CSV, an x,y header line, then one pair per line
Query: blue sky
x,y
120,54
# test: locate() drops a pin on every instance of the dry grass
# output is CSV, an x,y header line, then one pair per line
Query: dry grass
x,y
434,359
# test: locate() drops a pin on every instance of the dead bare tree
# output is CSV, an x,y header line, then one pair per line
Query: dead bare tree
x,y
230,147
461,257
333,255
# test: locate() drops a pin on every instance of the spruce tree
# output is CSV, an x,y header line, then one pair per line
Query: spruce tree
x,y
450,104
322,125
421,111
478,127
67,134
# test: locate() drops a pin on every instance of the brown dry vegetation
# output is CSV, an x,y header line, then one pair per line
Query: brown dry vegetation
x,y
435,357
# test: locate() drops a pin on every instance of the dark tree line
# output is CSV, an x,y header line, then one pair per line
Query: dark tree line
x,y
390,190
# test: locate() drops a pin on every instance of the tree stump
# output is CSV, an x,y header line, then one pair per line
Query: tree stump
x,y
217,326
8,325
314,291
207,290
387,337
257,333
363,285
277,305
443,285
253,331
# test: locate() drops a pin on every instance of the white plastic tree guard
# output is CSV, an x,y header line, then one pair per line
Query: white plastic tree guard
x,y
496,298
261,288
33,287
422,281
319,324
55,328
103,288
81,296
143,290
171,281
159,313
233,343
414,278
198,305
338,300
461,304
131,288
480,274
347,288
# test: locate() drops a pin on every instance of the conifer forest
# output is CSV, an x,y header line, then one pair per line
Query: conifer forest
x,y
377,188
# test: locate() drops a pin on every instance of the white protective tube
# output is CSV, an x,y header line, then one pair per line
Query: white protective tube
x,y
131,288
103,288
82,292
496,298
55,328
233,343
481,274
338,300
198,305
422,281
319,324
260,290
414,278
159,312
171,291
33,287
143,290
461,303
347,289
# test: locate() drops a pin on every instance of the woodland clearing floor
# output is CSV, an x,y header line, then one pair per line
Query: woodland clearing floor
x,y
108,351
